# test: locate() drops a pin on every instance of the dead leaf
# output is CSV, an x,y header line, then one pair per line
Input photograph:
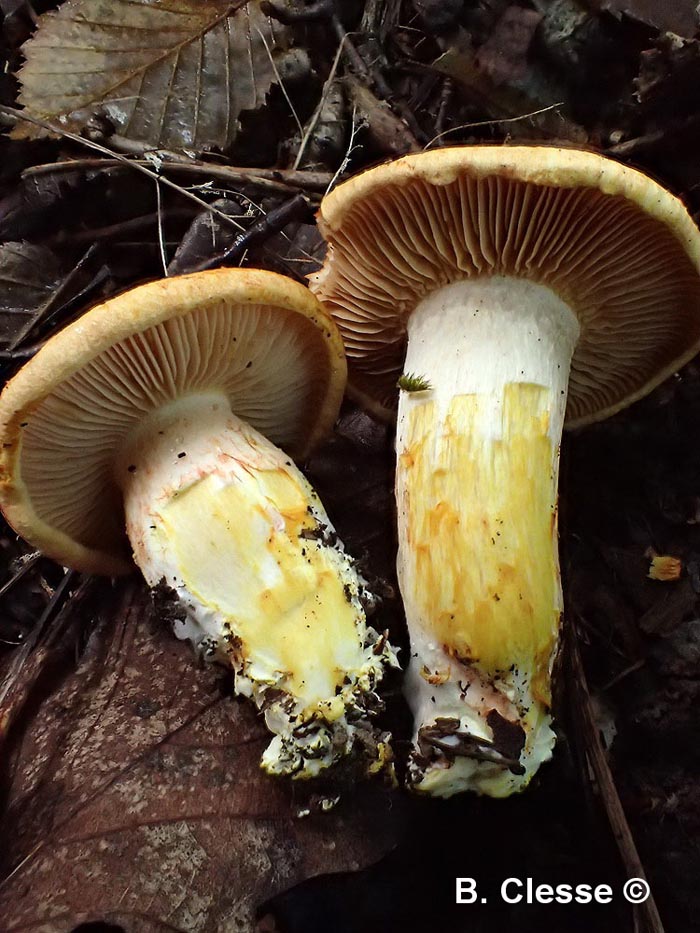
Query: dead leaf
x,y
39,202
525,116
386,133
668,77
673,606
438,15
28,277
298,251
135,796
171,74
680,16
503,57
206,236
326,130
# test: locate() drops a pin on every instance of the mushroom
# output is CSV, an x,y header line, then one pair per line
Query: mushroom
x,y
503,287
158,413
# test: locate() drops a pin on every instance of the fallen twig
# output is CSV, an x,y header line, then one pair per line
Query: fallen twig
x,y
98,147
27,563
52,608
646,915
351,146
493,122
306,136
271,179
90,234
296,208
445,98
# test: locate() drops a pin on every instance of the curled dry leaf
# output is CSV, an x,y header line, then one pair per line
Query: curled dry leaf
x,y
134,795
206,237
679,17
386,133
29,275
668,75
171,74
503,57
528,108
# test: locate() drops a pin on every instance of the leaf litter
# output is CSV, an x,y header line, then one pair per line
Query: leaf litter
x,y
138,785
175,74
29,274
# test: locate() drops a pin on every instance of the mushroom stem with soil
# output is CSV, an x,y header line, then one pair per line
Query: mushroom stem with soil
x,y
476,487
225,520
153,414
502,289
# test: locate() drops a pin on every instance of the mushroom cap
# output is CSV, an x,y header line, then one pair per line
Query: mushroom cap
x,y
260,338
611,242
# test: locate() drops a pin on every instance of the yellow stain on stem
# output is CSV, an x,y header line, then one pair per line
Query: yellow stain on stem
x,y
238,549
481,525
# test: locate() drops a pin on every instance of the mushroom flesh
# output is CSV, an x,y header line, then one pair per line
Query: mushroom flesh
x,y
513,287
159,412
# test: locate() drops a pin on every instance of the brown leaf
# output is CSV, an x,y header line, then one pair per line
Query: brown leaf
x,y
39,202
206,236
668,76
297,252
28,277
386,133
172,73
680,16
525,114
674,605
135,796
503,57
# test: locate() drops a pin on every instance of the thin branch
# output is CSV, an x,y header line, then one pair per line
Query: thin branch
x,y
272,179
317,112
27,563
297,208
91,234
281,82
258,207
97,147
469,126
646,912
351,148
161,237
445,98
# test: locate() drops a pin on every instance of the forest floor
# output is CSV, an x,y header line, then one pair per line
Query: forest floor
x,y
130,796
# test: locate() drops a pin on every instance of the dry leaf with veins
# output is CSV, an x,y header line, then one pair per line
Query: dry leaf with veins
x,y
29,274
171,73
134,794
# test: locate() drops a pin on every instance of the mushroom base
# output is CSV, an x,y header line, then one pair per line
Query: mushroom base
x,y
256,576
474,731
478,565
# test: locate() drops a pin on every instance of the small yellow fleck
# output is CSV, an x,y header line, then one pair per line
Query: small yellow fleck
x,y
434,677
664,567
